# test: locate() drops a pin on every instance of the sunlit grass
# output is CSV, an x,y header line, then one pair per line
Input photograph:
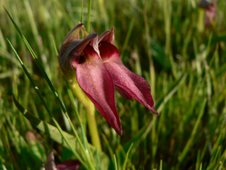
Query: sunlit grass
x,y
166,43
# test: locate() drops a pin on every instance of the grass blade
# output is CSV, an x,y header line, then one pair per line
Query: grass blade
x,y
57,134
193,133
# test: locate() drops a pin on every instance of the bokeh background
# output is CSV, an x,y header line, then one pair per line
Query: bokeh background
x,y
168,42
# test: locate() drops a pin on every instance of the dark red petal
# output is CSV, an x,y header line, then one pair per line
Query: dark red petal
x,y
68,165
107,36
132,84
107,50
96,82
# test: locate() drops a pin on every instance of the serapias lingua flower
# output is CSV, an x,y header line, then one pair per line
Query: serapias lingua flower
x,y
99,71
210,7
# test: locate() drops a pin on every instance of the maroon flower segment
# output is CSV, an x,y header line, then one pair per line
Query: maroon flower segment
x,y
65,165
68,165
99,70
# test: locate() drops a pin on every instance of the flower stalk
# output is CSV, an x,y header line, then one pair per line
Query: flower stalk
x,y
90,109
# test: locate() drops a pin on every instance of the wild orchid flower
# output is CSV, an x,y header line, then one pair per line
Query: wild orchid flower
x,y
210,8
99,71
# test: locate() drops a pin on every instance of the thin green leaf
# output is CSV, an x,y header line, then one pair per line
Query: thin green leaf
x,y
127,157
57,134
193,133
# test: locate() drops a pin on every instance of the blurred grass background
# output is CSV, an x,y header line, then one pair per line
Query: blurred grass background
x,y
164,41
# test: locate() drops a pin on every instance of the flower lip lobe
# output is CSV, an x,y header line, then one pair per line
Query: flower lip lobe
x,y
96,82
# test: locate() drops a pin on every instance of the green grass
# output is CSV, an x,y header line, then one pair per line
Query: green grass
x,y
165,42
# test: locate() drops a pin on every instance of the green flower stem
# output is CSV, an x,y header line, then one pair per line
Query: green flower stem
x,y
201,19
90,115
